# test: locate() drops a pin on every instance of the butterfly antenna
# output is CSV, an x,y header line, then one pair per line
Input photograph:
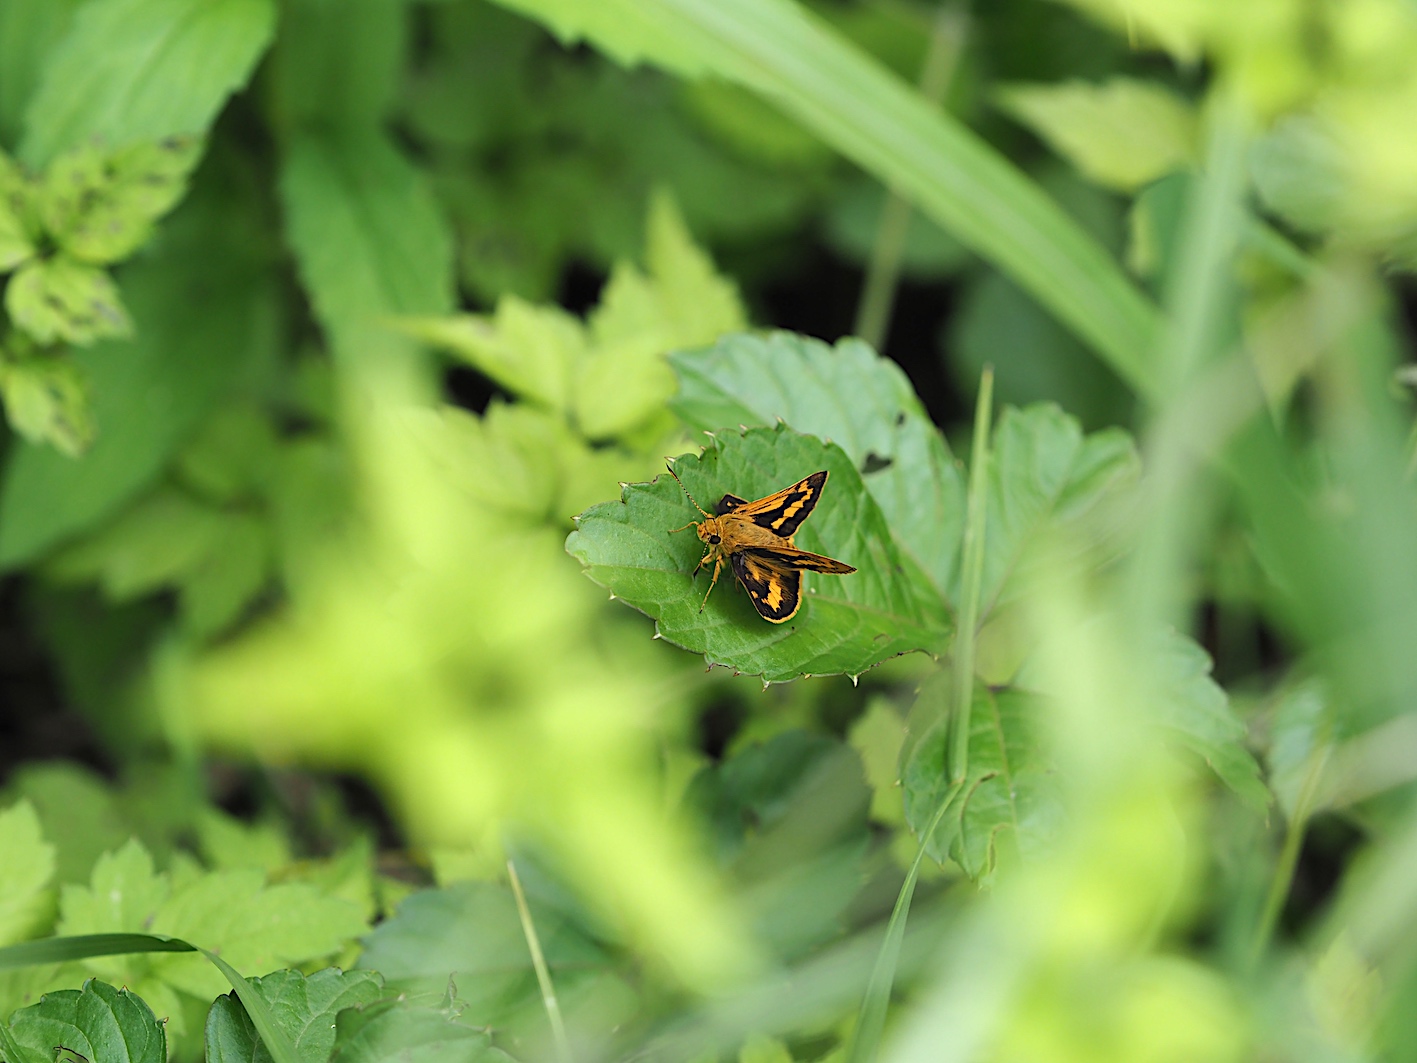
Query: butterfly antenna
x,y
690,497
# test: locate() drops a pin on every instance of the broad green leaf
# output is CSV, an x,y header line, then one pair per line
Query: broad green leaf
x,y
47,403
776,48
304,1006
205,319
787,820
856,399
229,577
29,30
228,842
1049,484
59,300
1009,803
1300,173
1301,741
26,901
877,736
1196,713
143,70
1122,134
338,66
402,1031
96,1022
368,239
99,206
470,931
846,623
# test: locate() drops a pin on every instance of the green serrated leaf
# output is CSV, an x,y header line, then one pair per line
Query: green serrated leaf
x,y
58,300
228,842
402,1031
26,901
856,399
1009,803
846,624
254,927
143,70
305,1008
77,812
1048,484
1122,134
788,823
94,1023
100,206
47,402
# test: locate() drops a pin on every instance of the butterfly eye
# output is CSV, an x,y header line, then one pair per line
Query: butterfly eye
x,y
714,540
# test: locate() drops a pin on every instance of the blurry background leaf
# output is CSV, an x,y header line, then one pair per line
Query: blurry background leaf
x,y
469,932
846,624
204,317
1121,134
787,823
410,1031
113,74
26,900
58,300
47,403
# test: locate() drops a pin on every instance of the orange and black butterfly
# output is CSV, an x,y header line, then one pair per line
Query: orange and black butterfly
x,y
755,538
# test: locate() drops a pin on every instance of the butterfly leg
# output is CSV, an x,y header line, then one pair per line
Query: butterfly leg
x,y
716,566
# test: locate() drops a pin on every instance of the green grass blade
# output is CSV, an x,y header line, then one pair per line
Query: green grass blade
x,y
856,105
543,972
279,1046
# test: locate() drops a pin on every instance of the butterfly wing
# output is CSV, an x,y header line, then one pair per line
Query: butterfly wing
x,y
801,560
782,513
776,592
727,504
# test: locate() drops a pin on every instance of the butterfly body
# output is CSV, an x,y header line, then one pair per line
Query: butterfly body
x,y
755,540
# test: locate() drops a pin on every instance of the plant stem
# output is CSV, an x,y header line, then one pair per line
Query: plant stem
x,y
543,973
873,314
1289,854
968,619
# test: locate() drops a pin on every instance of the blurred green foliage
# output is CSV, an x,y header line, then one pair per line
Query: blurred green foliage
x,y
306,467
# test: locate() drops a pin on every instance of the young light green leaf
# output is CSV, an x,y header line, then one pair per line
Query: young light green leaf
x,y
15,243
94,1023
1009,801
679,302
846,623
304,1007
858,400
58,300
26,900
47,403
201,291
1122,134
402,1031
143,70
529,350
1049,483
100,206
776,48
